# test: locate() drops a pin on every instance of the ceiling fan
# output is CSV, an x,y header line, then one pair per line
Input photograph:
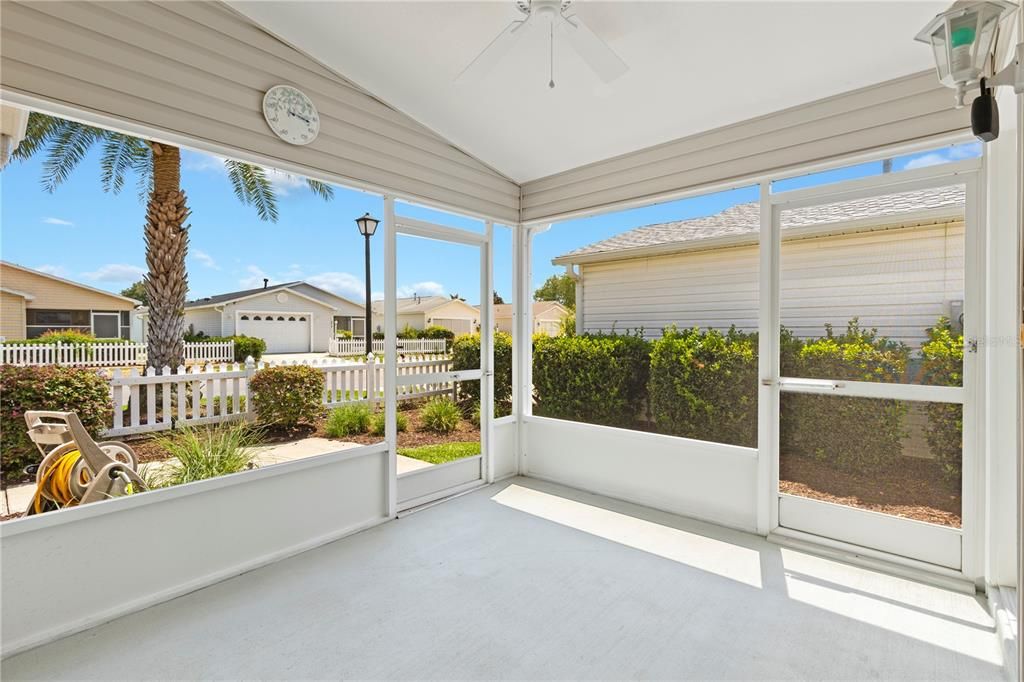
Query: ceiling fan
x,y
549,16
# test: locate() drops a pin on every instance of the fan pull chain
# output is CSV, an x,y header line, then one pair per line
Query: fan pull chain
x,y
551,83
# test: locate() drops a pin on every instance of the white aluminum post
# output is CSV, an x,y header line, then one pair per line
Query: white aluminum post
x,y
487,352
768,369
517,343
371,381
390,352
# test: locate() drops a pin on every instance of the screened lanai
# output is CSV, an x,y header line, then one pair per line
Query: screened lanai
x,y
776,433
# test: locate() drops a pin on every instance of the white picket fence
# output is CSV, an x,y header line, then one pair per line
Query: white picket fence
x,y
209,351
219,393
349,347
106,354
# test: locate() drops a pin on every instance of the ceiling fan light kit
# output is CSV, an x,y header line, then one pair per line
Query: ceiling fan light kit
x,y
549,16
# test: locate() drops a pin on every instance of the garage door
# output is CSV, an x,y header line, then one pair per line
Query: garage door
x,y
457,325
283,332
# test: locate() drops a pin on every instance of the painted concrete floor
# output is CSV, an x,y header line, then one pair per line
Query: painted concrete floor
x,y
525,579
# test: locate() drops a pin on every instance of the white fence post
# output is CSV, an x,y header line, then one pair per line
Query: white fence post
x,y
371,381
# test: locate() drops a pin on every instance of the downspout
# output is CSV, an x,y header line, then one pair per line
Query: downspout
x,y
575,272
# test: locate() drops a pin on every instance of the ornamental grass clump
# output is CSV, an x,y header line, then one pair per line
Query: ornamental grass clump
x,y
199,453
441,415
348,420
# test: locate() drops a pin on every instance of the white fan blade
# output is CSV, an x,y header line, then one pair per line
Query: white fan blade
x,y
594,51
493,53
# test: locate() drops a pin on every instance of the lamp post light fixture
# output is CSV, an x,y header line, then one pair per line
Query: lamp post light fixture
x,y
367,226
962,41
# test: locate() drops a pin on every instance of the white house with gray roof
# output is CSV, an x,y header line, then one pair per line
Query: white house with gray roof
x,y
294,317
895,262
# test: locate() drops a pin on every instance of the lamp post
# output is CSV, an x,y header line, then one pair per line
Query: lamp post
x,y
367,226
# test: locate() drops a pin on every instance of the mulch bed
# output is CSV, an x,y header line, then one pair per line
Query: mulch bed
x,y
913,489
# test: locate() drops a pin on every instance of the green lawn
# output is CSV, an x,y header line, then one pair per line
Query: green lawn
x,y
442,452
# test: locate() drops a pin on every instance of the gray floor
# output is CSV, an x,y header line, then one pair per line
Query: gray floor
x,y
530,580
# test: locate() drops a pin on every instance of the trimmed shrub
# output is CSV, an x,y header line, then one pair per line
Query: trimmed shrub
x,y
47,387
343,334
378,336
436,332
441,415
408,332
377,423
594,378
942,365
246,346
466,355
287,396
704,385
348,420
852,434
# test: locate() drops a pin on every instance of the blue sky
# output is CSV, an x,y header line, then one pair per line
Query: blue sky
x,y
81,233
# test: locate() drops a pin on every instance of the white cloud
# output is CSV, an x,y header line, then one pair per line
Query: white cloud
x,y
116,272
55,270
58,221
422,288
283,183
255,278
342,283
205,259
930,159
294,271
955,153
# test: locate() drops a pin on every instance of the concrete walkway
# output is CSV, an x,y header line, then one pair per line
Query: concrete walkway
x,y
17,498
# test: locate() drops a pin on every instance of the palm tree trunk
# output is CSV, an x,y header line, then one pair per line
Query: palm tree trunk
x,y
166,245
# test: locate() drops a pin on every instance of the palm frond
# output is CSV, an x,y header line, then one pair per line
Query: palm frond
x,y
38,132
321,189
252,187
121,154
69,144
143,168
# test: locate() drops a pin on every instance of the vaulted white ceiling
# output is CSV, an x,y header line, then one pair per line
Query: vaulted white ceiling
x,y
694,66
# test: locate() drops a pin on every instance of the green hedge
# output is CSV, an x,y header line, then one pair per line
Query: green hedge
x,y
853,434
287,396
245,346
67,337
46,387
942,365
703,385
594,378
466,355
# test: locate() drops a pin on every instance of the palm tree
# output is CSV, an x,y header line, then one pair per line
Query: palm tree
x,y
158,169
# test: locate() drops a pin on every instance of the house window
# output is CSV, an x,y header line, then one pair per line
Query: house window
x,y
38,322
291,319
302,319
280,318
244,317
256,317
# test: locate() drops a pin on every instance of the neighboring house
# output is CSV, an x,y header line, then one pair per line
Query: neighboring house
x,y
547,317
895,262
32,302
295,317
420,312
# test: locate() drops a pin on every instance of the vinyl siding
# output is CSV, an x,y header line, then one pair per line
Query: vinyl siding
x,y
897,111
205,320
899,281
52,294
199,70
12,316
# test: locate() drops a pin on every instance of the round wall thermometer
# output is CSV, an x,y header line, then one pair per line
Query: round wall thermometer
x,y
291,114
